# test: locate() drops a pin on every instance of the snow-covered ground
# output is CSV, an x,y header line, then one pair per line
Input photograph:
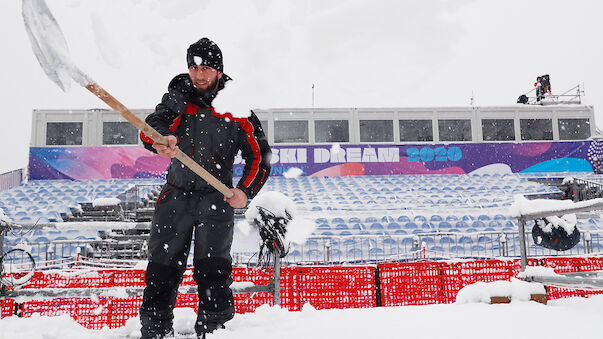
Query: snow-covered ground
x,y
566,318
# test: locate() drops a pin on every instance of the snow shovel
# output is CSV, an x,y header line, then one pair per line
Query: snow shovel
x,y
50,47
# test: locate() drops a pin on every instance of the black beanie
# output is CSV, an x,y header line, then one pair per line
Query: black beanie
x,y
205,52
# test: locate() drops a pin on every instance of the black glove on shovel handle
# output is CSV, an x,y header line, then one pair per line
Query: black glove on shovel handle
x,y
50,47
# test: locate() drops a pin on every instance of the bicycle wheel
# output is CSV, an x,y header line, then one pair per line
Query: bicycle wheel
x,y
18,267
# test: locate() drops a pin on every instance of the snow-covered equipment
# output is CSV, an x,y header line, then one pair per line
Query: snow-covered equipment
x,y
271,212
51,50
272,231
556,233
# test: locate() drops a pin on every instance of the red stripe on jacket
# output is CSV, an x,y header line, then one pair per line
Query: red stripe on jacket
x,y
190,109
255,147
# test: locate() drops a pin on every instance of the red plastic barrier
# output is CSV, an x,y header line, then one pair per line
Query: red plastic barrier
x,y
7,307
93,314
71,279
573,265
321,286
418,283
328,287
249,302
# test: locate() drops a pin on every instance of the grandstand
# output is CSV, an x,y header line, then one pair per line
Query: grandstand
x,y
380,184
394,194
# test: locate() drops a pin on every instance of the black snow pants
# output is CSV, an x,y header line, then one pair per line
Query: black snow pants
x,y
179,214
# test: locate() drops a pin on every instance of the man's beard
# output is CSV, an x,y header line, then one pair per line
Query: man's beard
x,y
210,89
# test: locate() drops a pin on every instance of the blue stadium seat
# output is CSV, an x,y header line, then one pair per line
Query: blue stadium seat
x,y
340,227
321,221
436,218
393,226
400,232
500,217
446,240
465,240
311,243
452,219
323,227
427,227
403,219
337,221
345,233
389,242
478,224
370,220
436,249
496,224
444,225
483,217
429,241
419,219
457,249
376,226
410,225
375,252
461,224
468,218
359,227
387,219
354,254
478,248
336,254
354,220
407,242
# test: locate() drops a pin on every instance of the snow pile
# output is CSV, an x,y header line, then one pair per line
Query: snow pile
x,y
567,222
4,219
568,180
481,292
276,202
298,229
103,202
540,271
468,321
293,172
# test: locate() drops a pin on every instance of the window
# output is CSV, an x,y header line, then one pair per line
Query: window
x,y
331,131
290,131
574,129
416,130
376,130
64,133
455,130
119,133
264,124
498,129
536,129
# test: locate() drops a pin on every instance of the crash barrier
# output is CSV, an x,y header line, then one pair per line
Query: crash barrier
x,y
324,287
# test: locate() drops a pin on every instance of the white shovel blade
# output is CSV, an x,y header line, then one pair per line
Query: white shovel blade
x,y
48,42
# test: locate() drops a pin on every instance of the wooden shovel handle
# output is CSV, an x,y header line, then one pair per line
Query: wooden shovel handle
x,y
158,138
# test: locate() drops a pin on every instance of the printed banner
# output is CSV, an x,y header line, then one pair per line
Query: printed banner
x,y
334,160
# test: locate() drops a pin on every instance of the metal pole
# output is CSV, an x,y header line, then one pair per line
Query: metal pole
x,y
522,244
277,280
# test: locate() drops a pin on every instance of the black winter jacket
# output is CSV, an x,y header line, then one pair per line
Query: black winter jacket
x,y
210,138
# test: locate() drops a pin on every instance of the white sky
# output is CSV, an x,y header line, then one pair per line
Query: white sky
x,y
358,53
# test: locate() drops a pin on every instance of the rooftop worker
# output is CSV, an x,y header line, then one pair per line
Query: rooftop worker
x,y
189,204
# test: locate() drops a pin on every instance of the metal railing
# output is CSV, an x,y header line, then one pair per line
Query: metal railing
x,y
11,179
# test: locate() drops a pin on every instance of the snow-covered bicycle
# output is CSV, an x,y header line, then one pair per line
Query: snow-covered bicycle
x,y
17,265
